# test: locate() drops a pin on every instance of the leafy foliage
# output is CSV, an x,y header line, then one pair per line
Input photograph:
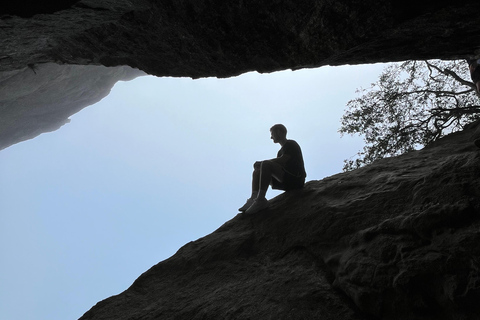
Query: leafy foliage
x,y
412,104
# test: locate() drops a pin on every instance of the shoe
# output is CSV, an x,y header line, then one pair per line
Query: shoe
x,y
247,205
258,205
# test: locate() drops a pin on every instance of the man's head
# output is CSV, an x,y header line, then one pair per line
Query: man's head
x,y
279,133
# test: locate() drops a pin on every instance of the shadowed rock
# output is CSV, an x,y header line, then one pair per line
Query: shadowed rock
x,y
201,38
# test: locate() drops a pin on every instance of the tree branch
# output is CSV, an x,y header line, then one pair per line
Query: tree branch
x,y
453,74
453,93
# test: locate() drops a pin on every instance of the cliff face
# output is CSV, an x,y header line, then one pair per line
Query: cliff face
x,y
397,239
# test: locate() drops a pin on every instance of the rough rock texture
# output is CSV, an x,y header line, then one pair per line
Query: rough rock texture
x,y
222,38
199,38
398,239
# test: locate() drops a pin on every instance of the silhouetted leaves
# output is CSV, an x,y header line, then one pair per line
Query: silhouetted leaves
x,y
412,104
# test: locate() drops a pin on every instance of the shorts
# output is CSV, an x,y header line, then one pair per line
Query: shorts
x,y
290,182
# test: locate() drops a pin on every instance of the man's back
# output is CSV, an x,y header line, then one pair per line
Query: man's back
x,y
295,165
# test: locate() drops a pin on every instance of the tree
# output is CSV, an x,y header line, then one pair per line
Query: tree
x,y
412,104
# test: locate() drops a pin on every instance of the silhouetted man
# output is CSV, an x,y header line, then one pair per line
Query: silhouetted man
x,y
285,172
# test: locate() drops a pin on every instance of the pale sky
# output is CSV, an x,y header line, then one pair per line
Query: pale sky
x,y
159,162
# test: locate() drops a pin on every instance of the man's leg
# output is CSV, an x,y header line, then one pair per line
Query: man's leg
x,y
257,169
268,169
255,186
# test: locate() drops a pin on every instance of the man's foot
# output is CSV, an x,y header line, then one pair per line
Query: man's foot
x,y
258,205
247,205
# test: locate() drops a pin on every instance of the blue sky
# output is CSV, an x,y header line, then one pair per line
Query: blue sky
x,y
86,209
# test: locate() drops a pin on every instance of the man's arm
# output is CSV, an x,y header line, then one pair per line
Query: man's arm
x,y
282,160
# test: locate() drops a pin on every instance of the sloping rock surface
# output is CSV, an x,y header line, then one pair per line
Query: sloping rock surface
x,y
398,239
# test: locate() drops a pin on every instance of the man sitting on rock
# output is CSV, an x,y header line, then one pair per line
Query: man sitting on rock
x,y
285,172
